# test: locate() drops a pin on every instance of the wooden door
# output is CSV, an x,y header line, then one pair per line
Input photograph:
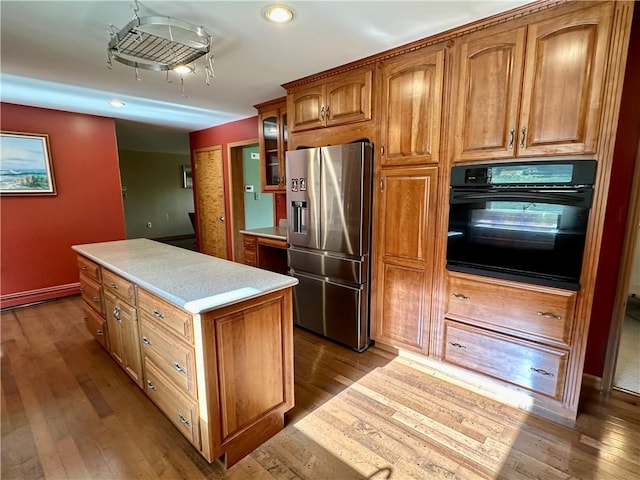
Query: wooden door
x,y
489,72
563,83
411,108
348,97
405,240
306,107
209,196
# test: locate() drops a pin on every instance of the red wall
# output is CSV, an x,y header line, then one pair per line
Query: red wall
x,y
615,221
38,231
238,131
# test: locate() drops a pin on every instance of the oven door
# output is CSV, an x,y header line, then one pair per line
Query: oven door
x,y
534,236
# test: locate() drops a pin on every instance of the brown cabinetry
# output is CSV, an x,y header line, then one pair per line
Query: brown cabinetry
x,y
273,136
534,90
411,107
92,295
265,252
336,100
404,256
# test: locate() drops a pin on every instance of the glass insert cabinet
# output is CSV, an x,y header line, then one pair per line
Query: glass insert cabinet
x,y
273,135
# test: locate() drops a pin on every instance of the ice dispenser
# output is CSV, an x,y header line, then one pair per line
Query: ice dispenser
x,y
299,217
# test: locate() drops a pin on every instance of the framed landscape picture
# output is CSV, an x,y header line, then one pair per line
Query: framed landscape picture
x,y
25,164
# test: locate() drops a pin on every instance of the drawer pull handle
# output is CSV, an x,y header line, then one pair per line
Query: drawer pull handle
x,y
146,341
459,296
99,333
157,314
183,420
151,386
84,268
178,368
96,299
116,313
542,372
113,285
457,345
550,315
512,134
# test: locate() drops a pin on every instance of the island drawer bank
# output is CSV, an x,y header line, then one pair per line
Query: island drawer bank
x,y
213,339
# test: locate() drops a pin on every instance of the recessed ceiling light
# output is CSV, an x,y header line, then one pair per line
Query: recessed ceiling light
x,y
182,69
278,14
116,103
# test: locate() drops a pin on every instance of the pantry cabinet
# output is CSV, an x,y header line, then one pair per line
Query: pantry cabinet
x,y
535,90
336,100
404,258
411,107
273,137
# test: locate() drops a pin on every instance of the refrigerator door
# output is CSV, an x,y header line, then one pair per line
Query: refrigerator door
x,y
341,269
345,195
333,310
303,197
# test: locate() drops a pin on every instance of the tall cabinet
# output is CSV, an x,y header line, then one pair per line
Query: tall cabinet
x,y
411,107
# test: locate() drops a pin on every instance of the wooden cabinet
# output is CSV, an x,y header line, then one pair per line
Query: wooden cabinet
x,y
336,100
265,252
250,243
92,295
533,90
411,107
273,137
124,337
96,326
172,318
405,249
538,368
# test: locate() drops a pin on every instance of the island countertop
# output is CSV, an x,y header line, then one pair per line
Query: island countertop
x,y
190,280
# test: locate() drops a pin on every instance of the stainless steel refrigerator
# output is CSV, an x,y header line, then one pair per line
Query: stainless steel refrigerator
x,y
329,230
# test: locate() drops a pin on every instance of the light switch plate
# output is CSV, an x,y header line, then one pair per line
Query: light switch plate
x,y
255,156
248,188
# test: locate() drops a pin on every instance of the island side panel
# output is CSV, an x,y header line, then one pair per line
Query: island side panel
x,y
247,350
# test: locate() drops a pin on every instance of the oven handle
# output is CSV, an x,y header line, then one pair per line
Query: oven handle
x,y
567,197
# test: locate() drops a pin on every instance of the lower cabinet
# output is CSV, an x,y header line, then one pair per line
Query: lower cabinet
x,y
97,326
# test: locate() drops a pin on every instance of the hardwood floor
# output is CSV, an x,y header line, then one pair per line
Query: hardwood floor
x,y
68,411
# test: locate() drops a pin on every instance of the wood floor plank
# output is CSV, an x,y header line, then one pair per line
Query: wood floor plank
x,y
68,411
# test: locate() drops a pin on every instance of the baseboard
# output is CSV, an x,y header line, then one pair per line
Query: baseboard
x,y
39,295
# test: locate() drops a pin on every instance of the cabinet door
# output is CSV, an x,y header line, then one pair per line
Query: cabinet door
x,y
114,328
563,83
404,258
124,336
269,135
489,75
411,108
306,107
348,98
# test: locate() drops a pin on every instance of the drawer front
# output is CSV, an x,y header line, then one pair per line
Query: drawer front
x,y
250,257
92,293
180,409
96,326
249,242
119,286
89,268
173,358
542,313
534,367
174,319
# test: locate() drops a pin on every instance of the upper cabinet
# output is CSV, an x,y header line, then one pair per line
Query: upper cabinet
x,y
411,107
273,136
336,100
533,90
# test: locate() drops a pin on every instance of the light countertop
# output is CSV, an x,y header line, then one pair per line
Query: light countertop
x,y
188,279
278,233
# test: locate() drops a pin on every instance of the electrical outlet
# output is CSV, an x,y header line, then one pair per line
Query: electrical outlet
x,y
149,225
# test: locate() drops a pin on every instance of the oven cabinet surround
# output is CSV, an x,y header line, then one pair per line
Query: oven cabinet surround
x,y
215,340
532,90
336,100
272,139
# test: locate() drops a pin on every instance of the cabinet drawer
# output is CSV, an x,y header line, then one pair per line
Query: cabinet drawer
x,y
119,286
536,313
534,367
89,268
92,293
250,257
96,326
249,242
174,319
180,409
173,358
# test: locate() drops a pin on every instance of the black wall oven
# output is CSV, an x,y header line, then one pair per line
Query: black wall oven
x,y
521,221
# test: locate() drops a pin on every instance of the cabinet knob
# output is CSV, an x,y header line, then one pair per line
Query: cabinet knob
x,y
99,333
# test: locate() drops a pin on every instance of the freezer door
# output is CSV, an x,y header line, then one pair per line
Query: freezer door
x,y
346,198
341,269
338,312
303,197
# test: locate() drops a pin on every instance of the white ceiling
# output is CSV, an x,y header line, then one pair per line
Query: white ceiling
x,y
54,55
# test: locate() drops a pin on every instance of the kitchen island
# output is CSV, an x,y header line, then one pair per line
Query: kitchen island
x,y
210,341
